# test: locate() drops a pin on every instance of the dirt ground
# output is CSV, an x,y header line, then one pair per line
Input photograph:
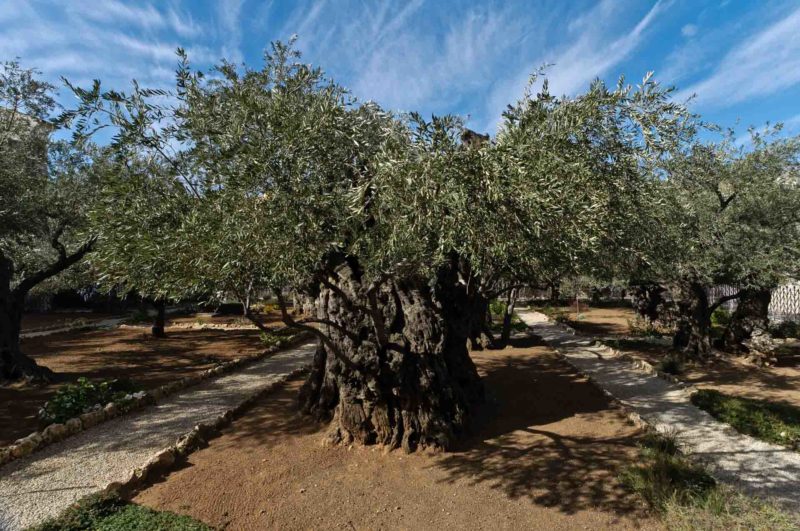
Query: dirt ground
x,y
123,352
731,375
545,455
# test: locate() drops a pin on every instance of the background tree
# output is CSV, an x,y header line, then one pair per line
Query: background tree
x,y
734,219
395,226
45,187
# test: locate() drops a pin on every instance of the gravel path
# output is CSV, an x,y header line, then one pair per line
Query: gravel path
x,y
757,468
45,483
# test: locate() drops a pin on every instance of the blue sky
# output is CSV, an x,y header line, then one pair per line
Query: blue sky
x,y
741,58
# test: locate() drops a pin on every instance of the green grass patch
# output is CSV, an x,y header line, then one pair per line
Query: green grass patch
x,y
107,512
687,497
769,421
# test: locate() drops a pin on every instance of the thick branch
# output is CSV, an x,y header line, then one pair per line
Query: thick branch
x,y
64,261
289,321
723,300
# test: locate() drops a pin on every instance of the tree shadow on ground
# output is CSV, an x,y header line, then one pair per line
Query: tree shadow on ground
x,y
546,435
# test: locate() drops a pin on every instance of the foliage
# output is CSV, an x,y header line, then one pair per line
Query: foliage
x,y
720,318
255,179
46,185
72,400
687,497
642,326
107,512
773,422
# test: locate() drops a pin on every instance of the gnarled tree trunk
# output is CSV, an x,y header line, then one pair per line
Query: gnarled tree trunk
x,y
511,302
693,336
650,301
159,322
395,369
14,365
751,315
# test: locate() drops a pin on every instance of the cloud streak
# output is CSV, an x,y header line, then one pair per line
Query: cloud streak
x,y
765,63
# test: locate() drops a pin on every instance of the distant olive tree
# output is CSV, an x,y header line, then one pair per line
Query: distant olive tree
x,y
733,218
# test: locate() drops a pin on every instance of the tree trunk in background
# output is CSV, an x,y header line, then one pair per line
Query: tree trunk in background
x,y
649,301
397,370
480,328
160,319
693,334
751,315
555,292
508,316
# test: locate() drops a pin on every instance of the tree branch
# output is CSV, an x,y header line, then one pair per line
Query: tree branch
x,y
723,300
64,261
289,321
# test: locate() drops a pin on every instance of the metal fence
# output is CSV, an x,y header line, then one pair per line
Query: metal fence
x,y
784,306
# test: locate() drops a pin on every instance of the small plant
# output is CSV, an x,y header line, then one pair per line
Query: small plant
x,y
107,512
721,318
72,400
769,421
671,365
271,339
497,307
641,326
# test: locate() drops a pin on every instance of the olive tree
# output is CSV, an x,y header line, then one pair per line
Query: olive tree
x,y
395,225
734,219
45,187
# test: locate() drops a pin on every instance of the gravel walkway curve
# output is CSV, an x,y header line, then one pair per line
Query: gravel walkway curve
x,y
757,468
43,484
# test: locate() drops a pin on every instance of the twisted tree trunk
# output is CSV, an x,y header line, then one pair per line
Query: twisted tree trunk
x,y
751,315
394,369
14,365
693,335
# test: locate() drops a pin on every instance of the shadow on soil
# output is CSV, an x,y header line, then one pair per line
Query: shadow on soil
x,y
546,435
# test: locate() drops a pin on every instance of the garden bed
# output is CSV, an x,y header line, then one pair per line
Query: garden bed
x,y
121,353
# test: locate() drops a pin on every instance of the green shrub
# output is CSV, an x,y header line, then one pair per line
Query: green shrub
x,y
641,326
786,329
769,421
720,318
75,399
107,512
688,498
276,339
497,307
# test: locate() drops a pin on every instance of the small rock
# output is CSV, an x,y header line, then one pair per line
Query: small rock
x,y
92,418
55,432
164,459
20,450
111,410
73,425
5,455
302,491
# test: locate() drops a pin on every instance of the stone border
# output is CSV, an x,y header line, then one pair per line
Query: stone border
x,y
164,461
60,431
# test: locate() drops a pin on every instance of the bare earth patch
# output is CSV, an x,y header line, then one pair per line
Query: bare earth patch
x,y
545,455
124,352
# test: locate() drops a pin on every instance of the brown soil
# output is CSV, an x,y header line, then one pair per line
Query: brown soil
x,y
124,352
545,455
612,321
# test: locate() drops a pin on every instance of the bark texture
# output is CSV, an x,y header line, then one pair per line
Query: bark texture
x,y
751,316
159,322
14,365
395,369
693,335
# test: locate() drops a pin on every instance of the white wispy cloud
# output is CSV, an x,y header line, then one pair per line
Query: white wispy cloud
x,y
592,50
764,63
